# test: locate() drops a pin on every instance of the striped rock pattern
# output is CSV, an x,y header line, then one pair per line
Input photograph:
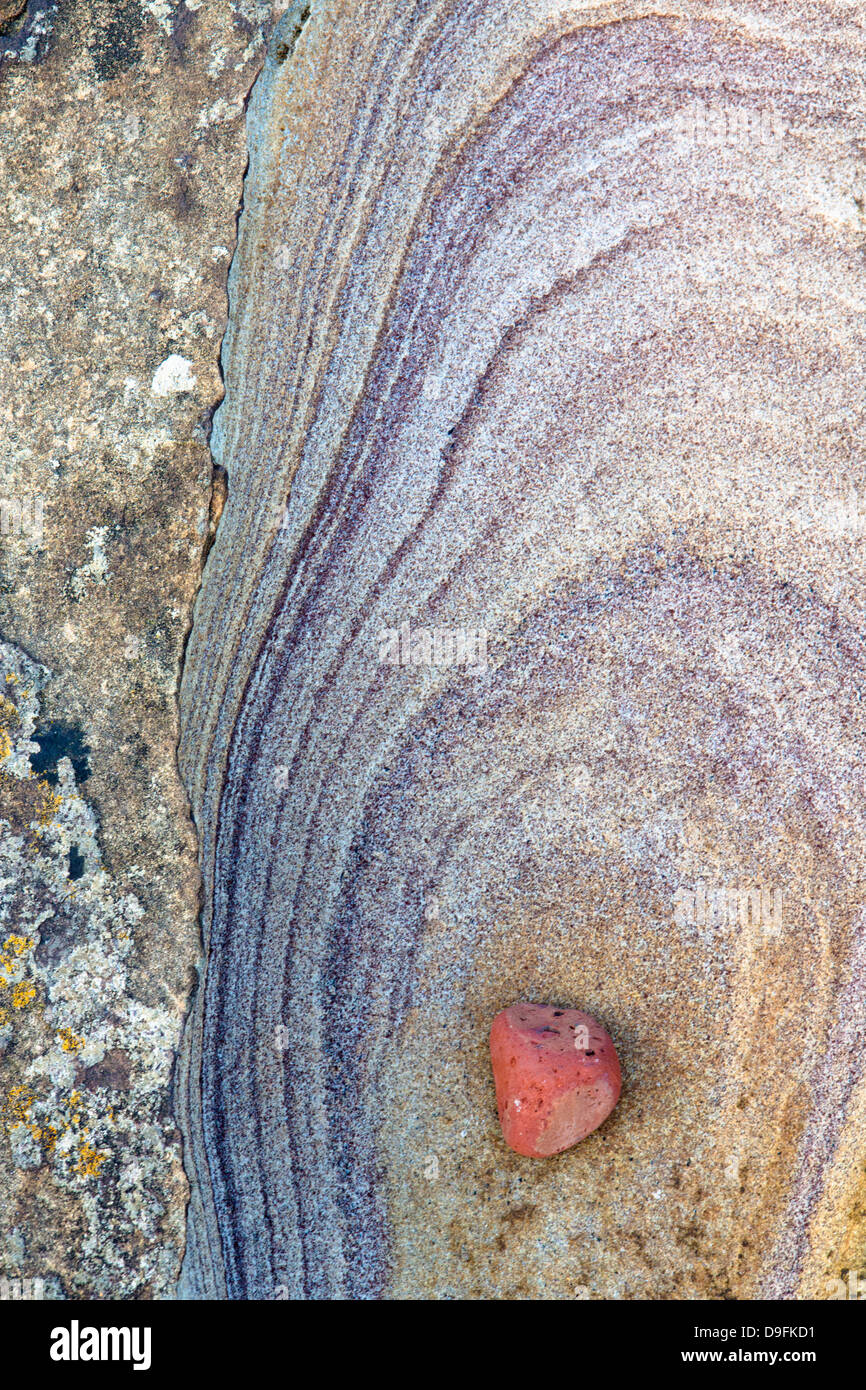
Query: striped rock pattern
x,y
547,328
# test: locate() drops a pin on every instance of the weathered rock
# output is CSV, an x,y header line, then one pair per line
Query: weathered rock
x,y
557,1076
122,152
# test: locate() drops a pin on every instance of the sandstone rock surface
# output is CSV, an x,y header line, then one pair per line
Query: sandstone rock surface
x,y
547,324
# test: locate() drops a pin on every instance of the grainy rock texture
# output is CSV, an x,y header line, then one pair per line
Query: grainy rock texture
x,y
123,151
547,322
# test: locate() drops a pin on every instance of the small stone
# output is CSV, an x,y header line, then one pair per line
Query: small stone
x,y
557,1077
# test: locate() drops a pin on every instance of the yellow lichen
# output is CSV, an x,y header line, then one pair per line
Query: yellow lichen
x,y
89,1161
51,802
23,994
14,948
16,1110
17,1105
73,1105
68,1041
8,713
9,717
17,945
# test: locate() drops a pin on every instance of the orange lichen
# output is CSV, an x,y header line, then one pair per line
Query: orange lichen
x,y
89,1161
14,946
17,1105
74,1106
16,1110
9,717
19,1102
68,1041
23,994
8,712
51,801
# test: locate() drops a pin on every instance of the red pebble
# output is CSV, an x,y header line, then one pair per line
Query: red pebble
x,y
557,1076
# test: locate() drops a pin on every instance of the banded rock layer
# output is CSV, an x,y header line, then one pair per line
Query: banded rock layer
x,y
546,322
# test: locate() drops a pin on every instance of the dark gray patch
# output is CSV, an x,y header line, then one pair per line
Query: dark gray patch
x,y
58,740
113,46
76,863
182,23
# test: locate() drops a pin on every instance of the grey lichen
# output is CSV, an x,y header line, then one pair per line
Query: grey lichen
x,y
85,1065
